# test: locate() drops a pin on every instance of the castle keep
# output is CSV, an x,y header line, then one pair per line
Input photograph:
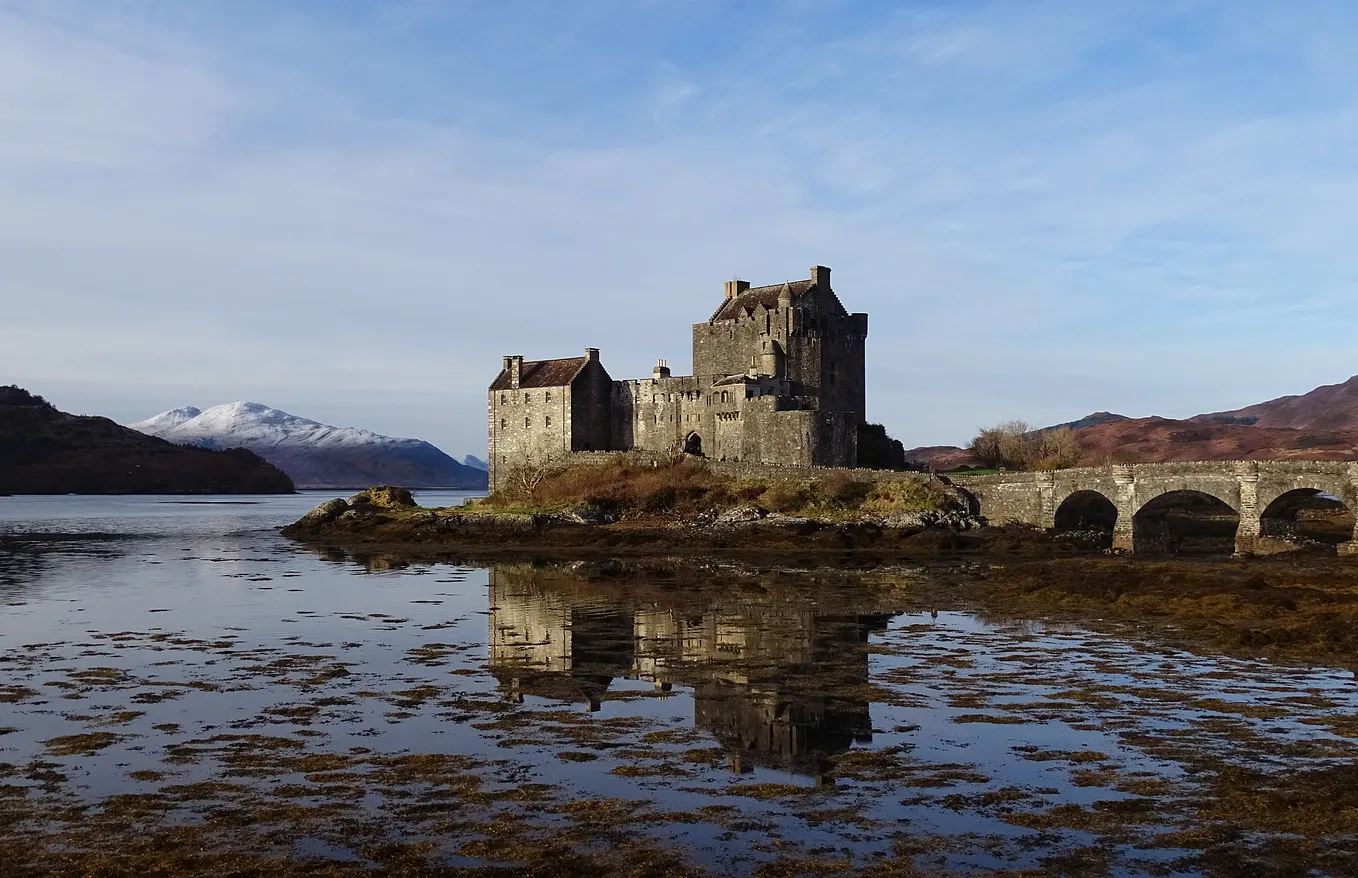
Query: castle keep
x,y
778,378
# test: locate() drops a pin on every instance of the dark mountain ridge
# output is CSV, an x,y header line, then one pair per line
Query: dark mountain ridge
x,y
47,451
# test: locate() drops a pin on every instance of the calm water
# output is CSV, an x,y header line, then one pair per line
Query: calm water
x,y
174,662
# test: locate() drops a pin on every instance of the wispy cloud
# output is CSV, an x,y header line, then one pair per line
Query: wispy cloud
x,y
1045,206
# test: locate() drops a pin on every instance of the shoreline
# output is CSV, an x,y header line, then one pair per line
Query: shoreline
x,y
1297,606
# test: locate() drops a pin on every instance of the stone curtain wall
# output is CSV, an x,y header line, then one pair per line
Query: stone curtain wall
x,y
655,414
1248,487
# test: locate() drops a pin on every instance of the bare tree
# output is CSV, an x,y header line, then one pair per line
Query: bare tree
x,y
1057,449
1016,445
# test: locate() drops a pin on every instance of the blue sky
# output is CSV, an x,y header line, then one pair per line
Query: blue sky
x,y
351,210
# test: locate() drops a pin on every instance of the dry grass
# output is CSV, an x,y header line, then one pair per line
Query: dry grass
x,y
687,487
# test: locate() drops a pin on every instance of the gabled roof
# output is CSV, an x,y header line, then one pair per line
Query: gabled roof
x,y
543,373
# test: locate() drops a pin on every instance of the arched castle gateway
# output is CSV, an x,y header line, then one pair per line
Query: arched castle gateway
x,y
778,378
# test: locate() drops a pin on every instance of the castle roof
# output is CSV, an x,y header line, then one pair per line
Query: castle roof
x,y
744,304
543,373
735,379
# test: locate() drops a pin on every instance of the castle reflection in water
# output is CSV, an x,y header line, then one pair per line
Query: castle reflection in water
x,y
779,676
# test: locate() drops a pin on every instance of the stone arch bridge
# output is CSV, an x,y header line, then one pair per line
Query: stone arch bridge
x,y
1133,498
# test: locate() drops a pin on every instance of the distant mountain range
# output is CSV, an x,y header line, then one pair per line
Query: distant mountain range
x,y
46,451
1319,425
315,455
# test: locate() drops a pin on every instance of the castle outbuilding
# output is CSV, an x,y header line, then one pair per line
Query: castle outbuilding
x,y
778,378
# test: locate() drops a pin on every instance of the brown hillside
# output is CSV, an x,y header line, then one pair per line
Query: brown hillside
x,y
1156,440
942,457
1328,407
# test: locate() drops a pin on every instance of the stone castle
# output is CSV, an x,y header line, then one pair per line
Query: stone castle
x,y
778,378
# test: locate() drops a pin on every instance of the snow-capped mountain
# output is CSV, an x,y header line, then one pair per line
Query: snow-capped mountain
x,y
316,455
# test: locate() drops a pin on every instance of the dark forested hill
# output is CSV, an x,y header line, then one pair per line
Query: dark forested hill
x,y
46,451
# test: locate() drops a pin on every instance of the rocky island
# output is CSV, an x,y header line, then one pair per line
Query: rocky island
x,y
631,505
46,451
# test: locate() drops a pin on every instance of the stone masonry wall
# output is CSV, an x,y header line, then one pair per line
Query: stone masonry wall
x,y
527,427
591,409
1258,491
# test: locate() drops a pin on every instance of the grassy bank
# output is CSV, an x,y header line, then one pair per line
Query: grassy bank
x,y
632,489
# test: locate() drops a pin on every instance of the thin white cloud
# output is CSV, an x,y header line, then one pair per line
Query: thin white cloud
x,y
1035,231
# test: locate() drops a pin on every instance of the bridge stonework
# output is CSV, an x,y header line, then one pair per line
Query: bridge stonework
x,y
1263,493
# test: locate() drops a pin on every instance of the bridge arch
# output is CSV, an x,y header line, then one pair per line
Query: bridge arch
x,y
1306,515
1086,509
974,505
1187,520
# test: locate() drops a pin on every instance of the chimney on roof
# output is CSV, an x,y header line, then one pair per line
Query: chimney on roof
x,y
514,365
662,370
820,276
592,355
736,287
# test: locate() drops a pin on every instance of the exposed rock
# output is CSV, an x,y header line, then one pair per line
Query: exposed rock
x,y
384,497
326,512
742,514
918,522
589,513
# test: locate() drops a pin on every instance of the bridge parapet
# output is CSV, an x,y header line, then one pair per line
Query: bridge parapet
x,y
1263,493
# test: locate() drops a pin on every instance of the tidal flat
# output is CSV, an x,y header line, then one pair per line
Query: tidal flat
x,y
188,693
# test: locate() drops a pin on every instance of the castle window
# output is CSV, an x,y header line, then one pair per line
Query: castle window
x,y
503,398
503,423
547,396
526,397
525,422
549,421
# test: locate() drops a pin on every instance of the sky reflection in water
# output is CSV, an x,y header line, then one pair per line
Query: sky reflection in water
x,y
794,718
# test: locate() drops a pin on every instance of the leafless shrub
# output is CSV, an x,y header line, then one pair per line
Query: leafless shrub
x,y
1016,445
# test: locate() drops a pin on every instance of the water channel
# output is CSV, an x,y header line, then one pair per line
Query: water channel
x,y
176,678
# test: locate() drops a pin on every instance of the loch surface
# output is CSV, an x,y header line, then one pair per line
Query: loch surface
x,y
172,664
